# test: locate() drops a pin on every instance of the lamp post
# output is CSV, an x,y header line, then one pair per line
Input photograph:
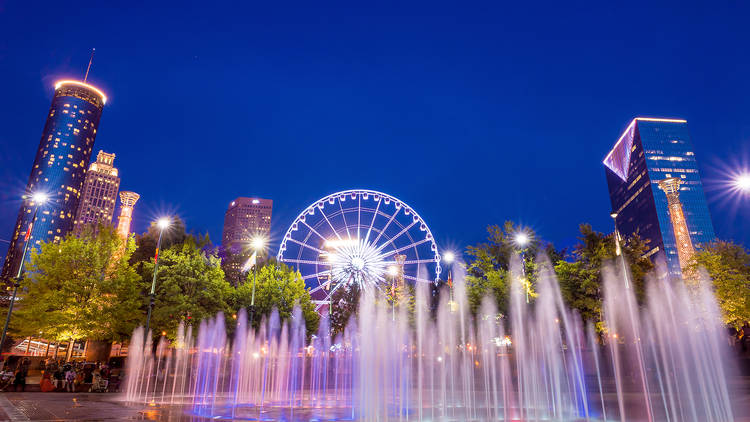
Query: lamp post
x,y
163,223
258,244
449,257
39,199
522,240
618,250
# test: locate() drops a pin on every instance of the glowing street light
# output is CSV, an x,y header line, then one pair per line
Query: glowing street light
x,y
393,271
521,239
258,243
38,199
449,257
741,182
163,223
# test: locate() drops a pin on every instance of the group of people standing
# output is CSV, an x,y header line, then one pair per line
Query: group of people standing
x,y
62,376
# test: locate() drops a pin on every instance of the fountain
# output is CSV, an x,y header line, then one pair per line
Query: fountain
x,y
667,361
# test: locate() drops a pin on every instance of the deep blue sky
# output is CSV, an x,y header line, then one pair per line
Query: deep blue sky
x,y
471,113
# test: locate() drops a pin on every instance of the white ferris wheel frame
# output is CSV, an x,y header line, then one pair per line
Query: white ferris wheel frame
x,y
342,196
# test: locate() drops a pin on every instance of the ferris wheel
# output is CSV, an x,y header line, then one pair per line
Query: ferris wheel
x,y
359,236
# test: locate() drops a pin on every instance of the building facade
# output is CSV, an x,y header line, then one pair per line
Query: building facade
x,y
59,167
127,202
99,193
651,151
245,219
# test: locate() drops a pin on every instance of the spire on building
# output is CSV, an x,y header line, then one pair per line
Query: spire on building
x,y
685,250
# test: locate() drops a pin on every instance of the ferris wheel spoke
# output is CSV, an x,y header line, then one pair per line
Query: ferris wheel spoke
x,y
313,230
359,213
318,274
343,217
412,278
413,261
372,223
403,248
375,242
380,248
307,261
303,244
331,225
320,287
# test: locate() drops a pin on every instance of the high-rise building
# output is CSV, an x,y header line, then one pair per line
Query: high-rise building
x,y
99,193
245,219
651,151
127,202
59,168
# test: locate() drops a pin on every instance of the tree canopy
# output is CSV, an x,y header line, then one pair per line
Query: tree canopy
x,y
728,266
80,288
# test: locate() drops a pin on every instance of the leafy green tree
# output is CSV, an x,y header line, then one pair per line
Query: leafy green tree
x,y
581,279
146,242
345,304
80,288
276,287
728,265
488,269
190,286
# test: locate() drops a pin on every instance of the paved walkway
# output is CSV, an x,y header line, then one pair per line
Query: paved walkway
x,y
65,406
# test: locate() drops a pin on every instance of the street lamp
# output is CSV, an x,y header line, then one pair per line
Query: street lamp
x,y
741,182
618,249
162,224
258,244
522,240
38,198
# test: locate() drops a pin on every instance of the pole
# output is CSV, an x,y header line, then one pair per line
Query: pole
x,y
252,297
618,252
17,283
523,274
153,285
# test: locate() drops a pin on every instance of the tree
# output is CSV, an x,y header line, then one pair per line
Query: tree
x,y
190,286
488,271
728,265
146,242
581,279
344,305
276,287
80,288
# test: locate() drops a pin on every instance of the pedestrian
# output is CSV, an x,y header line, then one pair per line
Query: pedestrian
x,y
46,384
70,377
59,377
20,380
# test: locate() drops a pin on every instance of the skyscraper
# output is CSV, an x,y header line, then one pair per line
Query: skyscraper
x,y
127,202
245,219
59,167
651,151
99,193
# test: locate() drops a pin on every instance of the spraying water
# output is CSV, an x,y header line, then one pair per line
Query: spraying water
x,y
666,361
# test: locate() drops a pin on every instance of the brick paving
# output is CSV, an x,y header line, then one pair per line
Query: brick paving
x,y
66,406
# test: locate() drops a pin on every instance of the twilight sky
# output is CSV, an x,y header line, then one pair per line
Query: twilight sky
x,y
472,113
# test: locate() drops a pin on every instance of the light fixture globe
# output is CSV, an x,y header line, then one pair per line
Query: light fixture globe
x,y
163,223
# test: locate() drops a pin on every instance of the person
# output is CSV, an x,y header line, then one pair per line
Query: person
x,y
46,384
59,377
70,376
20,380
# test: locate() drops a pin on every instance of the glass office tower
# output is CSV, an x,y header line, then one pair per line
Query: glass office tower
x,y
59,168
648,152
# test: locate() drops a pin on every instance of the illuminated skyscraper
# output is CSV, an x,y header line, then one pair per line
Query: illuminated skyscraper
x,y
59,168
99,193
245,219
127,202
648,152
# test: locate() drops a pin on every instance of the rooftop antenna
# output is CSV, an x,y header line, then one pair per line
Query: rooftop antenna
x,y
89,68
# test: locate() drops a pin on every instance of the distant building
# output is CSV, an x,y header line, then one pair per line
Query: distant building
x,y
245,219
651,151
127,202
59,167
99,193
